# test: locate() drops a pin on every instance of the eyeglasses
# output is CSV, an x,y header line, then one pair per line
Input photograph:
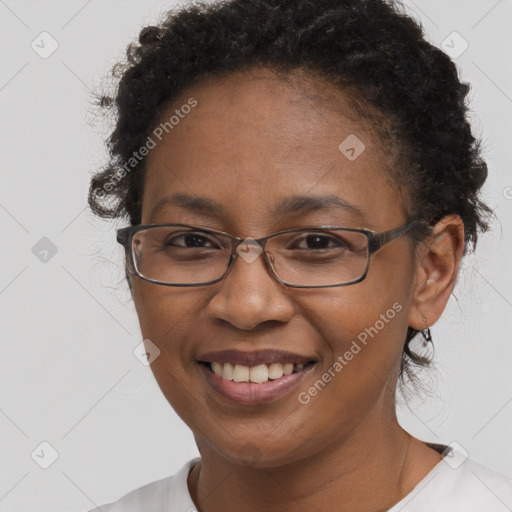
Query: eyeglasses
x,y
305,257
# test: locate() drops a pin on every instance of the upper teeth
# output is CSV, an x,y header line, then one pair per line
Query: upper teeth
x,y
257,374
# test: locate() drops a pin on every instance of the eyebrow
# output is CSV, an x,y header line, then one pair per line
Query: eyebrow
x,y
287,206
296,204
193,203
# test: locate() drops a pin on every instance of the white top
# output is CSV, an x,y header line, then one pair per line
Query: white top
x,y
455,484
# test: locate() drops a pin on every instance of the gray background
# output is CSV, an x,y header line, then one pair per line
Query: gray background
x,y
68,375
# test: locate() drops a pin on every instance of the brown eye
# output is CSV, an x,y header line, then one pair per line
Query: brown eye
x,y
191,240
321,242
318,241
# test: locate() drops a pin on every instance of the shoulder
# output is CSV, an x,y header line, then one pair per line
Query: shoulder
x,y
480,488
454,486
157,496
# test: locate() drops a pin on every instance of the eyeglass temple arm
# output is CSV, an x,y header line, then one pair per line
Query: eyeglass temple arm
x,y
123,236
380,239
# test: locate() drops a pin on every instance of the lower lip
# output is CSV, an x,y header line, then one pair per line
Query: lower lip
x,y
249,393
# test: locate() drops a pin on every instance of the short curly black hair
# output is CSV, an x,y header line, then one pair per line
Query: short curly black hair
x,y
369,48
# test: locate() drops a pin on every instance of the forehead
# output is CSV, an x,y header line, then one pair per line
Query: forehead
x,y
255,137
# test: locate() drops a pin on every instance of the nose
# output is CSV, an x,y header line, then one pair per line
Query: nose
x,y
249,296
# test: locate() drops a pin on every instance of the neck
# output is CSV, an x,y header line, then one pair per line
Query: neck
x,y
371,470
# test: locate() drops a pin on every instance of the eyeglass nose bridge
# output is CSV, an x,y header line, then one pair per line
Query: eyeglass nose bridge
x,y
249,249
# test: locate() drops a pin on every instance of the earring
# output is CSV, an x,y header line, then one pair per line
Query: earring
x,y
427,338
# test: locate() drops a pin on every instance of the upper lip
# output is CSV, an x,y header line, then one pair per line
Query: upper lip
x,y
254,358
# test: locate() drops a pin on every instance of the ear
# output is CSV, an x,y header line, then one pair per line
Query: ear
x,y
437,264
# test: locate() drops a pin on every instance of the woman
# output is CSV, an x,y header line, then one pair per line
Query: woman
x,y
301,184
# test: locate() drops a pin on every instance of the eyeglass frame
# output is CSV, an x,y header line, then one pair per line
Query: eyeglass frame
x,y
375,242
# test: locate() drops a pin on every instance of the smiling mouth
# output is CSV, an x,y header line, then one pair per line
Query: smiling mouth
x,y
258,374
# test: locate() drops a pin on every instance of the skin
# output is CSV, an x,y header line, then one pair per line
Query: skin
x,y
252,140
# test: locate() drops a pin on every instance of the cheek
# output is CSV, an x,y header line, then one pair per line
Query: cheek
x,y
166,316
161,308
378,302
362,342
362,328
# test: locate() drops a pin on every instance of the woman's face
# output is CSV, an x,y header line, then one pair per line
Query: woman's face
x,y
250,143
